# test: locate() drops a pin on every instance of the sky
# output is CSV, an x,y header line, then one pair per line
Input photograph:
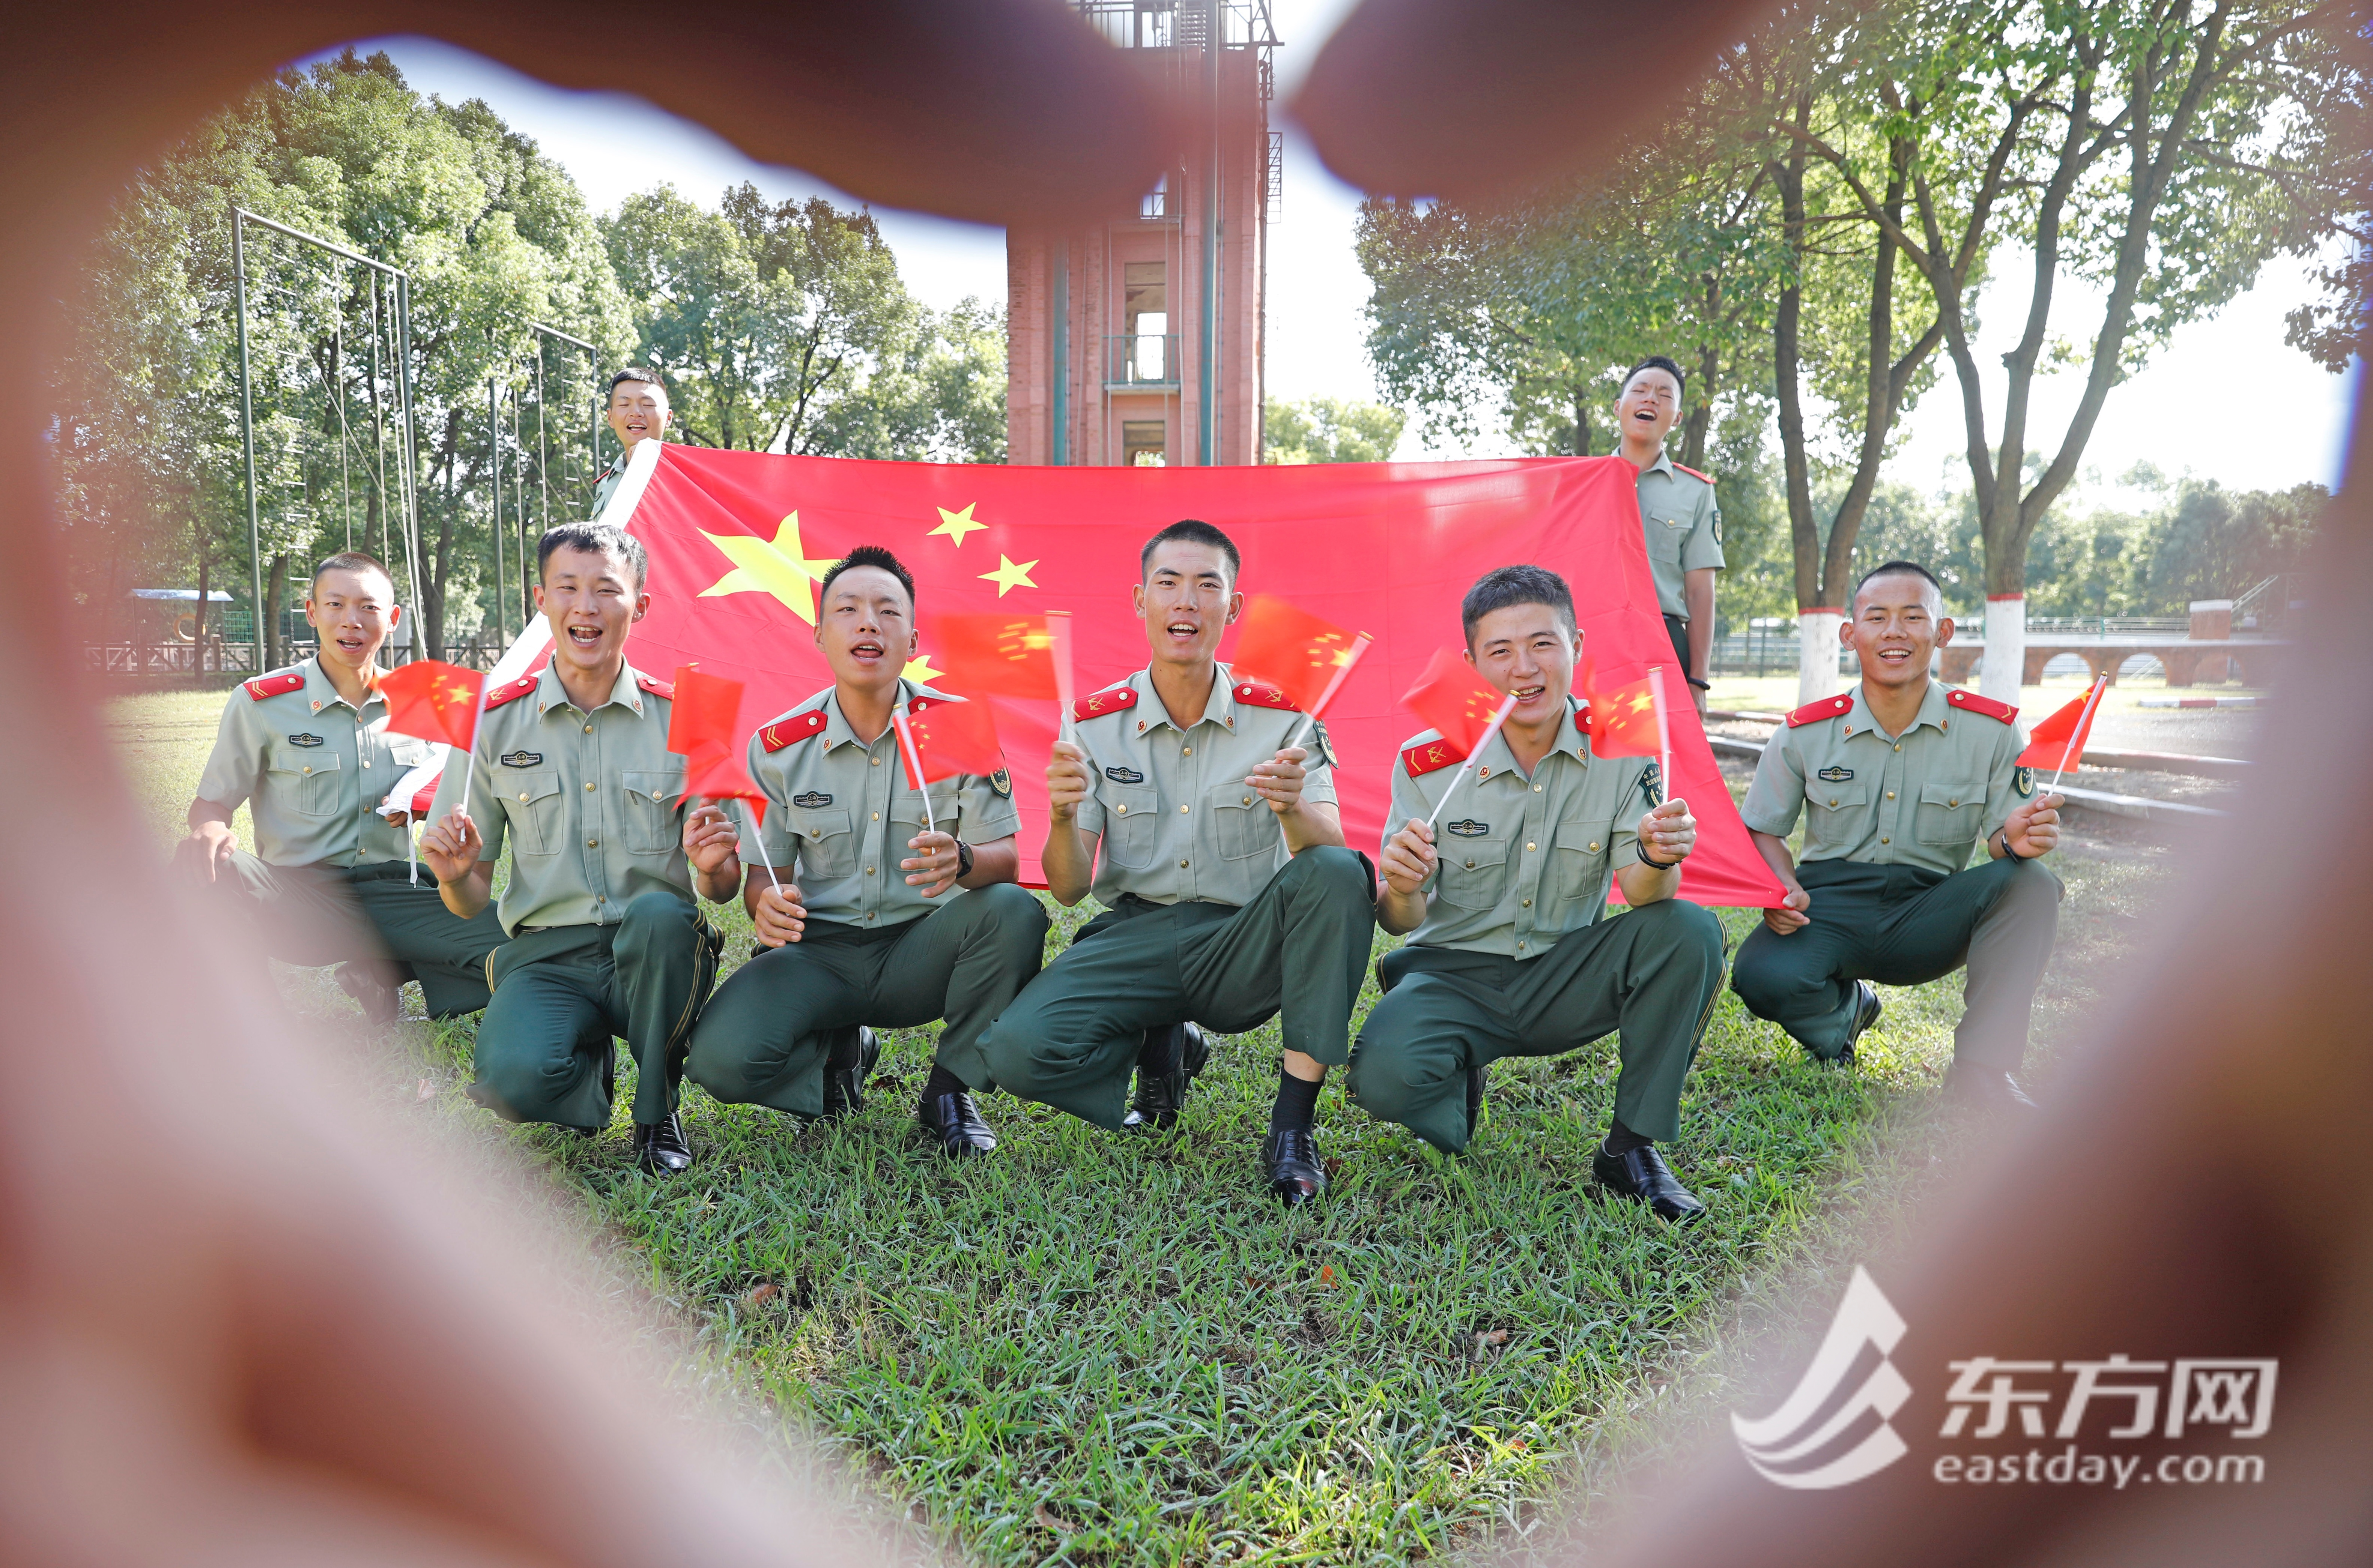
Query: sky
x,y
2179,415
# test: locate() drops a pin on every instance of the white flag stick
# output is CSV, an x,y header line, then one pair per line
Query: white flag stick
x,y
1342,673
1058,633
412,847
912,755
1506,707
1663,731
758,838
2077,742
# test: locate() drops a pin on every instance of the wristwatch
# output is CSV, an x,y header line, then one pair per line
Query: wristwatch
x,y
963,860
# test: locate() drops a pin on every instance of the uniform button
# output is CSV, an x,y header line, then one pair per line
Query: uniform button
x,y
1528,849
1528,903
1884,839
1898,746
1891,794
592,843
522,794
875,761
1248,801
1182,865
1182,811
1470,865
1954,802
1120,810
1187,751
589,786
1594,846
869,871
1833,800
877,816
588,729
600,898
1520,946
308,770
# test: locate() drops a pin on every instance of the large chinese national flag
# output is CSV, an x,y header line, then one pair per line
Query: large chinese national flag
x,y
737,539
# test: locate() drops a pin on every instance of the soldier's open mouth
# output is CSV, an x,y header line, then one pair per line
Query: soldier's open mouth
x,y
585,637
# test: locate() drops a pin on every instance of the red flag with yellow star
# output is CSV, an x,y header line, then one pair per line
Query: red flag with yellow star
x,y
704,727
737,541
1298,653
995,655
1452,698
952,737
1621,719
434,701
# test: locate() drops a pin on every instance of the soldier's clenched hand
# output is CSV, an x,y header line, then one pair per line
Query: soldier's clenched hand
x,y
1069,781
2034,828
780,917
1408,859
711,843
935,865
452,848
1280,779
1789,914
1668,834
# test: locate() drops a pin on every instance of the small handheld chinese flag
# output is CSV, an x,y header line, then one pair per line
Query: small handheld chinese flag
x,y
1450,697
1002,656
946,737
704,720
1621,720
434,701
1306,658
2058,743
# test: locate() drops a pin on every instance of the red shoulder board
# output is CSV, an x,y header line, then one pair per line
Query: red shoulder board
x,y
1813,712
1112,702
1977,704
1262,695
279,685
655,686
1693,473
1429,757
510,691
799,727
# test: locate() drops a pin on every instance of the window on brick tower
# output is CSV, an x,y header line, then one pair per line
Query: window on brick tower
x,y
1144,443
1145,318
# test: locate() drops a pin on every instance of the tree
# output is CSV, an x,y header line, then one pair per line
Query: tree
x,y
2159,150
1330,430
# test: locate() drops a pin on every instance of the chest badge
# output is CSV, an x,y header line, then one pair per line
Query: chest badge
x,y
304,740
1834,774
522,759
1468,827
1124,776
811,798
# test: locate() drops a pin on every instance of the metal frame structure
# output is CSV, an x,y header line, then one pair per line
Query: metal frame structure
x,y
542,462
407,444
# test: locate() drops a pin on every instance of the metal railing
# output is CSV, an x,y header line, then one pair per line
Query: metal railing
x,y
2104,625
1141,359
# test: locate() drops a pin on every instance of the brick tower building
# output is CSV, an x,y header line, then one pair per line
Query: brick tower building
x,y
1138,339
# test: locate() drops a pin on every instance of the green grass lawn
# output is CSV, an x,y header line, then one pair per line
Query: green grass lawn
x,y
1093,1348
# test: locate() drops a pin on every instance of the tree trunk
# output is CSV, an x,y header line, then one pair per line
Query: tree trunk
x,y
1804,532
276,593
198,629
1582,422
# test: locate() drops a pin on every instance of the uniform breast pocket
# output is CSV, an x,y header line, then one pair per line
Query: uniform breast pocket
x,y
1834,814
1132,824
651,805
532,800
827,848
1665,536
407,752
1948,814
906,813
306,779
1243,823
1474,872
1582,851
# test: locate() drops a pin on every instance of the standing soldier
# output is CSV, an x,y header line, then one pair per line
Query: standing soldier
x,y
331,879
1898,780
1229,896
638,411
852,943
605,938
1511,950
1676,508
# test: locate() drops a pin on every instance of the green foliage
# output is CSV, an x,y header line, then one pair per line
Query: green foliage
x,y
1330,430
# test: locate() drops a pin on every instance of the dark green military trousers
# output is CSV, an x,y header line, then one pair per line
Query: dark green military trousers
x,y
1650,972
764,1036
314,915
1072,1039
561,993
1906,926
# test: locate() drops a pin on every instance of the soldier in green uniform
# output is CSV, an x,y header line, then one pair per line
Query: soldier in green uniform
x,y
1897,781
605,937
638,411
331,879
1676,508
1511,950
891,922
1218,855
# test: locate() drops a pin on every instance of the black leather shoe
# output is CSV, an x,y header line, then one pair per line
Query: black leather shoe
x,y
1867,1007
1642,1173
1294,1173
1474,1100
1160,1096
660,1147
1985,1089
843,1086
383,1002
950,1119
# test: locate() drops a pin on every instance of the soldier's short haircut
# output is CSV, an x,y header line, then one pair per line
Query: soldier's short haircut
x,y
636,373
872,555
1504,586
1660,362
1188,530
595,538
353,561
1898,569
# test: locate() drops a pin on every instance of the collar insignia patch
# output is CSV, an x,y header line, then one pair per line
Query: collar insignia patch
x,y
1468,827
522,759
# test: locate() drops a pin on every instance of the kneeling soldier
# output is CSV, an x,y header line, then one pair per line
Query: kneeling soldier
x,y
605,937
853,943
1511,950
1898,780
330,879
1229,896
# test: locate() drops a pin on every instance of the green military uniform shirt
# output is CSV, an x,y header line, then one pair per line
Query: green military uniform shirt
x,y
1178,823
592,803
1684,528
313,767
1521,861
1925,798
840,812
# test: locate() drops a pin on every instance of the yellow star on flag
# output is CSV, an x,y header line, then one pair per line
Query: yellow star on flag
x,y
782,568
462,692
918,669
1008,575
955,524
1642,703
